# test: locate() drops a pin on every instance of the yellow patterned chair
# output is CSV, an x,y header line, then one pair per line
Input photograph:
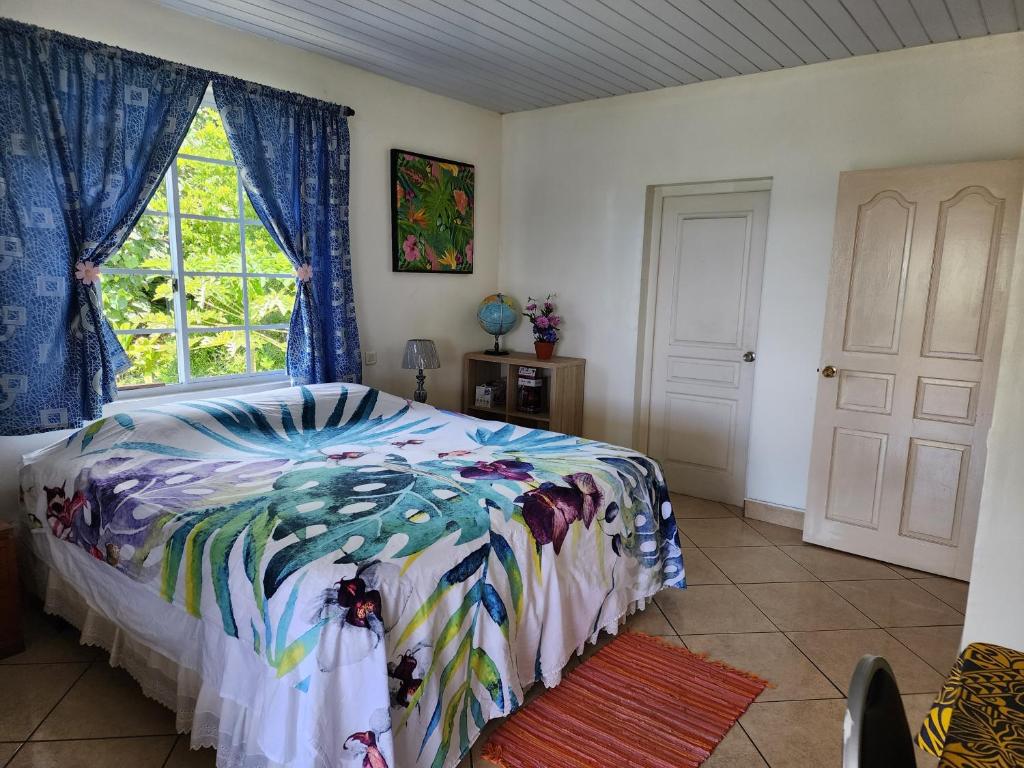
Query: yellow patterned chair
x,y
977,720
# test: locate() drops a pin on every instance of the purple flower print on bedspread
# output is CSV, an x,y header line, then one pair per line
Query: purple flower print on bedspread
x,y
117,501
550,509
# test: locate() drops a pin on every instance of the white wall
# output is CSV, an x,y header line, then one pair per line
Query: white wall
x,y
994,603
391,307
573,192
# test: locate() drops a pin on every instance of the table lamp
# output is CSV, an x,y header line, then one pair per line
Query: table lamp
x,y
420,354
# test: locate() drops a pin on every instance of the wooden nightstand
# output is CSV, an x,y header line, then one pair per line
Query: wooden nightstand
x,y
11,639
563,381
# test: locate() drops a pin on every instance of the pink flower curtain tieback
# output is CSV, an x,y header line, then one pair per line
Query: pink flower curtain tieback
x,y
87,272
304,273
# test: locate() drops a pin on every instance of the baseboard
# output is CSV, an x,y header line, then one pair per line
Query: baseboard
x,y
790,517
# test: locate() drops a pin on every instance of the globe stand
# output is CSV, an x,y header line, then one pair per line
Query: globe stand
x,y
499,328
497,347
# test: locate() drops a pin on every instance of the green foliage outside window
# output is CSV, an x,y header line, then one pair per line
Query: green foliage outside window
x,y
145,301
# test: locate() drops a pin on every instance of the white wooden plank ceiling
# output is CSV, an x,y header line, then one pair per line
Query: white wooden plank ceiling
x,y
512,55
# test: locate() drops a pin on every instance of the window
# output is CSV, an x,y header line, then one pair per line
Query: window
x,y
199,291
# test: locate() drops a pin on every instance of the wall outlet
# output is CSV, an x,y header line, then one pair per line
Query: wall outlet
x,y
369,358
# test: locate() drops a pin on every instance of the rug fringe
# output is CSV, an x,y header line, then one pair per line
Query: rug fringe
x,y
493,754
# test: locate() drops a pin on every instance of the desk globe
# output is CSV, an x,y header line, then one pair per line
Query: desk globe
x,y
497,314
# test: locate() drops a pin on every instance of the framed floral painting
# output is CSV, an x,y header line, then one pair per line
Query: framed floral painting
x,y
431,214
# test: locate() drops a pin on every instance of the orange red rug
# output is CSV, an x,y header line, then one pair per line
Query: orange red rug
x,y
637,702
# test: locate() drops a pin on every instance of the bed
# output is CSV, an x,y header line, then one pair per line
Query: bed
x,y
329,575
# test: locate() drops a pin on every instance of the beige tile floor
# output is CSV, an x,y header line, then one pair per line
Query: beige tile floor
x,y
759,599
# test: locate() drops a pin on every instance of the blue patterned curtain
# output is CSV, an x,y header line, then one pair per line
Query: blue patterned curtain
x,y
86,134
293,152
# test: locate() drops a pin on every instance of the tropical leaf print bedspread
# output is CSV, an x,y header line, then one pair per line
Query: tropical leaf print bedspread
x,y
407,570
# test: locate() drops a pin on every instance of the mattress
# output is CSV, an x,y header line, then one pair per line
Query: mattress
x,y
347,575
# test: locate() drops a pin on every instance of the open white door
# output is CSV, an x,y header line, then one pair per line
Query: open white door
x,y
916,309
710,264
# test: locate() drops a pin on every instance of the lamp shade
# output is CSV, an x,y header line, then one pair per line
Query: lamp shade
x,y
420,353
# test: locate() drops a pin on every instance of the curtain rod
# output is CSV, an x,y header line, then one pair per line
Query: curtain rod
x,y
93,45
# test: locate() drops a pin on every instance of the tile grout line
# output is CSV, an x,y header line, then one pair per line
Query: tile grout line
x,y
731,583
912,651
45,717
739,585
875,625
783,633
4,664
749,738
778,631
804,654
843,598
775,631
171,751
939,597
110,738
858,610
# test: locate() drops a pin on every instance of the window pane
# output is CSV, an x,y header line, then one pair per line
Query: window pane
x,y
216,354
138,301
158,202
206,136
247,209
262,253
211,246
147,247
268,350
154,359
213,301
271,300
207,189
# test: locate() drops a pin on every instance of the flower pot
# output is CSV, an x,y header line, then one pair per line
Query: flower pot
x,y
544,349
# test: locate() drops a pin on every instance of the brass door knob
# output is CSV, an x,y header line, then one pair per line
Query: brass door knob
x,y
829,371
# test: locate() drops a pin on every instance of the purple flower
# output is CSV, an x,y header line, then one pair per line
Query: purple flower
x,y
531,306
555,321
541,322
507,469
405,673
586,485
362,605
550,509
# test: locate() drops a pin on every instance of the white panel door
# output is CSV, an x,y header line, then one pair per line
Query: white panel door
x,y
916,308
710,263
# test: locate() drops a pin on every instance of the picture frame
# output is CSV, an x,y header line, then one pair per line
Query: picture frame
x,y
432,214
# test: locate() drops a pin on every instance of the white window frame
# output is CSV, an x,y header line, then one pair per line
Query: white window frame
x,y
178,272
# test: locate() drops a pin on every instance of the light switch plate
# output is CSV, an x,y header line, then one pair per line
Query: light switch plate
x,y
369,358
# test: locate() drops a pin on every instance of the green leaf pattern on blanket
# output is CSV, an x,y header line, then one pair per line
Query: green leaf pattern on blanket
x,y
349,483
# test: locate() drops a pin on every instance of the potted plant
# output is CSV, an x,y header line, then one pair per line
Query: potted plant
x,y
545,325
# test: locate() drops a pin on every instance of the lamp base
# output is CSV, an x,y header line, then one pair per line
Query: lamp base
x,y
420,395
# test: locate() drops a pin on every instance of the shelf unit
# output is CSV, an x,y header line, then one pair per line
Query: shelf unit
x,y
564,377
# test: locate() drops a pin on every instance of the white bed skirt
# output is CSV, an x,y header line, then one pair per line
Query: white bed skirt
x,y
219,689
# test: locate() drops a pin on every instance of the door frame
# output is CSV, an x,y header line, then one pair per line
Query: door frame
x,y
656,196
